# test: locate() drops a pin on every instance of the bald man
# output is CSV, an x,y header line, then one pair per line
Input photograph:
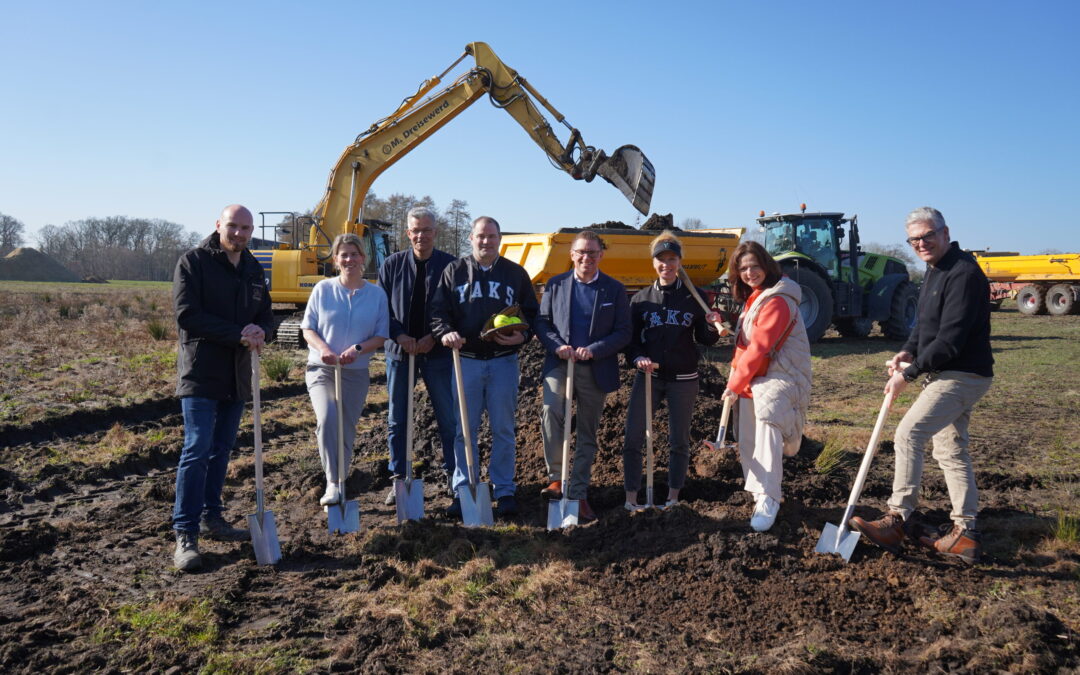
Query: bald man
x,y
222,313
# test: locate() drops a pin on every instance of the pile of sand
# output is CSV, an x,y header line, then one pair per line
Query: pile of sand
x,y
28,264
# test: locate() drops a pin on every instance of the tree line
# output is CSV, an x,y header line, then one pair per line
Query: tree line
x,y
118,247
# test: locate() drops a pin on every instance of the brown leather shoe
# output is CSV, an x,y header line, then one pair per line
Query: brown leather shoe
x,y
553,491
585,512
959,542
886,532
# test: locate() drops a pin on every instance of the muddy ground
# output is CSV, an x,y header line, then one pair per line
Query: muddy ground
x,y
87,581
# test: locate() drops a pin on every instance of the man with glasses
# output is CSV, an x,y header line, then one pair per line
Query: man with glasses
x,y
584,316
471,290
409,279
950,345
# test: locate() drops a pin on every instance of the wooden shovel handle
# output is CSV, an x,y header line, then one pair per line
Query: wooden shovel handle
x,y
566,424
410,430
697,296
463,410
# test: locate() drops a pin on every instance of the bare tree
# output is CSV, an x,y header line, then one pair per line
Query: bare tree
x,y
11,233
458,225
691,224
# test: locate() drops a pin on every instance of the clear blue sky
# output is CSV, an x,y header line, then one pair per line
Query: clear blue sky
x,y
174,109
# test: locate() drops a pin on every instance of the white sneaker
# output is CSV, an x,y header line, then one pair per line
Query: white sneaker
x,y
670,503
332,495
633,508
765,510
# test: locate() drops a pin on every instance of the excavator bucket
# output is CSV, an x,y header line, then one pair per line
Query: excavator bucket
x,y
631,171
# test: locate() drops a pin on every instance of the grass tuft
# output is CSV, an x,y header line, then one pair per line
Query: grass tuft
x,y
277,365
158,329
1066,529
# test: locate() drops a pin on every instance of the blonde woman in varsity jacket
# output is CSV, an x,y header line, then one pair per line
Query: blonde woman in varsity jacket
x,y
667,322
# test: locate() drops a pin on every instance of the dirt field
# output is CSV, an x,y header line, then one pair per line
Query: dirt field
x,y
90,436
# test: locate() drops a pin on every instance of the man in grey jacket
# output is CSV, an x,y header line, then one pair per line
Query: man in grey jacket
x,y
222,313
584,316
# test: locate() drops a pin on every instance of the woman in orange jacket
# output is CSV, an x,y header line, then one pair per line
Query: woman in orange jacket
x,y
770,375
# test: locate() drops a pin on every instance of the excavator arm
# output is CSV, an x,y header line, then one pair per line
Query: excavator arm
x,y
423,113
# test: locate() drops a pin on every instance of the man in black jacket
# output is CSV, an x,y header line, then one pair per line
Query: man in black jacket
x,y
950,344
410,279
222,311
472,289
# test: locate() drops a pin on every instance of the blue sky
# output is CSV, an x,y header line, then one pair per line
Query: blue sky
x,y
174,109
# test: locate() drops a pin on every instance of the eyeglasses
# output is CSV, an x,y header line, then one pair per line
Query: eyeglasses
x,y
915,241
590,252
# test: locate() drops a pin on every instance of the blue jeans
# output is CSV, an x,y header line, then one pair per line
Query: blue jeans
x,y
490,385
438,374
210,428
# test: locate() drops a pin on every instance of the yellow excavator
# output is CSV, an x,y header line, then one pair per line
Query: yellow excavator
x,y
293,268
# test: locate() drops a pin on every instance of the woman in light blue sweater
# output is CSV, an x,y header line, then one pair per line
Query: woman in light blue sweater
x,y
345,321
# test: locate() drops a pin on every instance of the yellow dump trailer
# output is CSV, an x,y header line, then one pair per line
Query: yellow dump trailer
x,y
627,256
1041,284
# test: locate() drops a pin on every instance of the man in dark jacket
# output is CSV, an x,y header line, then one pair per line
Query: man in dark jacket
x,y
409,279
951,346
584,316
222,312
471,290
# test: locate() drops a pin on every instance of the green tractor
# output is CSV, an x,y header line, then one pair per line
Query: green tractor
x,y
834,291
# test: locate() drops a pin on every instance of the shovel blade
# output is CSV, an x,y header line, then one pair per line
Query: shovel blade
x,y
476,506
833,541
631,171
562,513
343,518
264,538
409,499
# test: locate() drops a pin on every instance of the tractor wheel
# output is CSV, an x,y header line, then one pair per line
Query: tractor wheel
x,y
903,312
1060,300
1031,300
816,306
854,328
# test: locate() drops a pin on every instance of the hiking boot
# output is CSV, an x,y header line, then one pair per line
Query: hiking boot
x,y
331,496
959,542
186,556
886,532
215,527
553,491
506,506
585,512
765,510
391,496
454,510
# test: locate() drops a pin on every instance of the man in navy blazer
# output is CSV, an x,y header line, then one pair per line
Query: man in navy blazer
x,y
584,316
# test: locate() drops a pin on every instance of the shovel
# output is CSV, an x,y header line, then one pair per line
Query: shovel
x,y
409,493
476,497
343,517
649,503
261,523
839,538
721,443
564,512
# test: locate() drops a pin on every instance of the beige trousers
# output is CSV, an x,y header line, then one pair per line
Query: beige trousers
x,y
761,452
941,413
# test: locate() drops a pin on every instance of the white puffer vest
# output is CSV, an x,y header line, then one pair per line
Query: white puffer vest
x,y
782,395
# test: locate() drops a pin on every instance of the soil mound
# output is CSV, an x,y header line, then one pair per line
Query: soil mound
x,y
610,225
28,264
660,223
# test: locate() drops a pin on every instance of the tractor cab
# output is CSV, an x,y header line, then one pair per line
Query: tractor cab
x,y
811,236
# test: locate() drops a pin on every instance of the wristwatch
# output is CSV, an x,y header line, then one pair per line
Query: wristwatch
x,y
359,348
909,378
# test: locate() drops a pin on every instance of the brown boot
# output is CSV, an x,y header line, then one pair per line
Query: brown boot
x,y
886,532
959,542
553,491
